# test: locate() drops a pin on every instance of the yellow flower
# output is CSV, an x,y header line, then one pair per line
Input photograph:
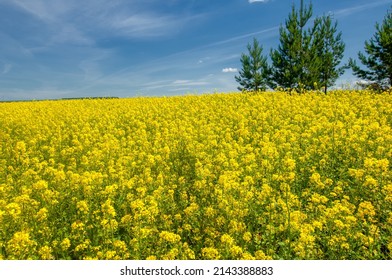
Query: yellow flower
x,y
20,246
370,182
210,253
20,147
319,199
14,210
42,214
191,209
82,246
169,237
40,185
227,239
2,214
108,209
317,224
247,237
77,225
188,252
45,253
345,246
366,211
127,219
65,244
356,173
109,225
171,255
247,256
236,251
339,224
387,190
315,179
290,164
228,173
82,206
390,248
260,255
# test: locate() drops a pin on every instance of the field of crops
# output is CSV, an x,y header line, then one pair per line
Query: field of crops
x,y
218,176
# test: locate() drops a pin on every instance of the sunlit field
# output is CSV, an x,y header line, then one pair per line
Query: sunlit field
x,y
215,176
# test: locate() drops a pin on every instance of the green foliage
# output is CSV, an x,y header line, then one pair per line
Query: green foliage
x,y
329,48
291,61
378,60
255,71
307,57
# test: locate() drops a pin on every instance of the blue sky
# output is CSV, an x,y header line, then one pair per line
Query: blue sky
x,y
68,48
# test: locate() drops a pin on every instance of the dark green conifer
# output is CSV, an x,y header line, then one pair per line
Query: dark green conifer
x,y
254,74
378,60
291,67
329,49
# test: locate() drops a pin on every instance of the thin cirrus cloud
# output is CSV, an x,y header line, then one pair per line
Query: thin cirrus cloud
x,y
258,1
229,70
78,21
43,10
359,8
189,82
149,24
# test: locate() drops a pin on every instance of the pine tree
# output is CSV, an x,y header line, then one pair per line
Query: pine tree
x,y
329,49
292,63
254,74
307,58
379,59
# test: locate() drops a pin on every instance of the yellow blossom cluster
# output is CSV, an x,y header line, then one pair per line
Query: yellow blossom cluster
x,y
215,176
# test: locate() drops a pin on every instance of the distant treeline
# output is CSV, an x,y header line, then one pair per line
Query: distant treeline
x,y
65,98
92,97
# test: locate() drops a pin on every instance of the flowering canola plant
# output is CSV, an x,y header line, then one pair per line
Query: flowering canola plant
x,y
215,176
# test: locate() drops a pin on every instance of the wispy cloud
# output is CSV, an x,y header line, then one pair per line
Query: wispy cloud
x,y
229,70
69,33
355,9
267,32
76,22
52,23
189,83
255,1
175,85
144,25
43,10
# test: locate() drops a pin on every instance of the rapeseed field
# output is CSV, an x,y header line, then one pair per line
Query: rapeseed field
x,y
215,176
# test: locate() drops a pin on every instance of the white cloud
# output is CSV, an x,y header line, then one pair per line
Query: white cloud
x,y
181,82
44,10
145,25
76,21
189,83
70,34
229,70
176,85
255,1
362,82
268,32
204,59
60,25
355,9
